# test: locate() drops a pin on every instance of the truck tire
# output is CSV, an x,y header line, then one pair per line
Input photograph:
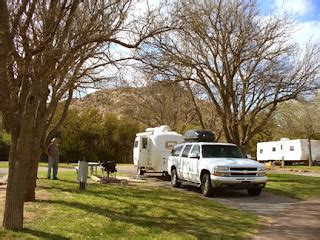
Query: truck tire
x,y
206,187
254,191
174,178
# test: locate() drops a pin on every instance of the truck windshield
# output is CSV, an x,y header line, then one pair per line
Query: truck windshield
x,y
221,151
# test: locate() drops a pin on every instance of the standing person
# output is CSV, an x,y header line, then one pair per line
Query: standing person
x,y
53,157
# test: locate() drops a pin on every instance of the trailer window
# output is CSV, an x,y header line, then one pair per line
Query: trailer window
x,y
176,151
136,143
170,144
144,143
274,149
261,150
186,151
291,148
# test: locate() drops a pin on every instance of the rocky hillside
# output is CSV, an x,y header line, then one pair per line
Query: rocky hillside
x,y
105,101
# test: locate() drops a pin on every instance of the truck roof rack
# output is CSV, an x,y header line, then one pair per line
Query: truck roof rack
x,y
195,135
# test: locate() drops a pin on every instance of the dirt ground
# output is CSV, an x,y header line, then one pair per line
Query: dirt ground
x,y
2,200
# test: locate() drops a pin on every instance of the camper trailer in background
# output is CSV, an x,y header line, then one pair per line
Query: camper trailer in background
x,y
288,150
152,148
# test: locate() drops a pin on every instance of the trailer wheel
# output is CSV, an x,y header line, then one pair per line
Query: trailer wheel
x,y
174,178
206,187
140,172
254,191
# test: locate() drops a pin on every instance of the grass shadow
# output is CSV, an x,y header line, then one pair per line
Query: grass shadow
x,y
177,222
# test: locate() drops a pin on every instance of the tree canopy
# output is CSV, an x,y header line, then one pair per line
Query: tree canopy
x,y
245,63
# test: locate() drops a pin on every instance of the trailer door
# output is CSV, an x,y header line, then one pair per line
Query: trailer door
x,y
143,152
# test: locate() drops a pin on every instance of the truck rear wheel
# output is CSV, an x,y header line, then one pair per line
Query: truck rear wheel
x,y
206,187
254,191
174,178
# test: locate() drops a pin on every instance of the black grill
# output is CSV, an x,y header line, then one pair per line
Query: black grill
x,y
243,172
109,166
238,174
243,169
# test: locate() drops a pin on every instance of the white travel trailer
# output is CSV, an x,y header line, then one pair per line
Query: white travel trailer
x,y
288,150
152,148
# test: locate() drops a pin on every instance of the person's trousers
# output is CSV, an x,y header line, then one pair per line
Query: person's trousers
x,y
53,164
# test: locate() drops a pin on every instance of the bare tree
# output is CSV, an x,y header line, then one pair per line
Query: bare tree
x,y
245,62
156,103
299,119
48,50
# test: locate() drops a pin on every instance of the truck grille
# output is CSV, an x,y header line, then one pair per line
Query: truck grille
x,y
241,172
243,169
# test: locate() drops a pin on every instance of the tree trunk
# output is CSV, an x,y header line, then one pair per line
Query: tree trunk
x,y
31,182
32,172
18,163
310,152
14,205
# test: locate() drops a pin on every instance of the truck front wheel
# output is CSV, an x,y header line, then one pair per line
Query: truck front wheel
x,y
174,178
206,187
254,191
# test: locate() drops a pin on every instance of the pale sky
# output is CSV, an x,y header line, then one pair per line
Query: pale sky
x,y
305,13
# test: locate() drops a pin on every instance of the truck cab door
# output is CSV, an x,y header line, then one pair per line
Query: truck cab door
x,y
185,161
194,157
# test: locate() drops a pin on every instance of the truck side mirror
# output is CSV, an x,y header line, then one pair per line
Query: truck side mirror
x,y
249,156
194,155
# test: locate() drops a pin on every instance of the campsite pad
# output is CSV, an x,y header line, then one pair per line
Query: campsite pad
x,y
299,221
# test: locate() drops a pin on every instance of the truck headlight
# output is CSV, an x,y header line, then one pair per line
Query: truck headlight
x,y
222,168
261,171
222,171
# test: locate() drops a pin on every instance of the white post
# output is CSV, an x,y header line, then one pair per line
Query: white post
x,y
83,174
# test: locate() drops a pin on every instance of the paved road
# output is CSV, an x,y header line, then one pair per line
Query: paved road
x,y
3,172
300,220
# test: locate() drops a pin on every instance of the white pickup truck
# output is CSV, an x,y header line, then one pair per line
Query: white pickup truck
x,y
215,165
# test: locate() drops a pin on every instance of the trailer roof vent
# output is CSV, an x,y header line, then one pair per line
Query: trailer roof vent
x,y
284,139
199,136
162,128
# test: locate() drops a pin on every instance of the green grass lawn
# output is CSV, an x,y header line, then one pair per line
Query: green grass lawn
x,y
61,165
128,212
4,164
296,186
42,164
304,168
